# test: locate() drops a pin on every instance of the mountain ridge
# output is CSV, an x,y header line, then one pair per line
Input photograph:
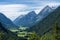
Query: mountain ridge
x,y
25,20
7,22
42,14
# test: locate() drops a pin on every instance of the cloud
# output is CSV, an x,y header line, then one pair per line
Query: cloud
x,y
53,4
12,10
15,8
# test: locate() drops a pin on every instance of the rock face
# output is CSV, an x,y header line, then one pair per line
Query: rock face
x,y
46,24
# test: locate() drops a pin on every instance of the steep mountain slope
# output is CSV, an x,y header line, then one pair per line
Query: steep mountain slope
x,y
6,34
46,24
7,23
25,20
44,12
18,18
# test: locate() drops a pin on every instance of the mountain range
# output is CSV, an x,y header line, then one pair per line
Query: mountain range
x,y
40,24
25,20
32,18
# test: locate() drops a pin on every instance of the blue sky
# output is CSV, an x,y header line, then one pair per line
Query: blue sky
x,y
14,8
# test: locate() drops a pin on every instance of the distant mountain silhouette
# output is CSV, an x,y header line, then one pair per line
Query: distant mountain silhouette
x,y
25,20
7,23
45,25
